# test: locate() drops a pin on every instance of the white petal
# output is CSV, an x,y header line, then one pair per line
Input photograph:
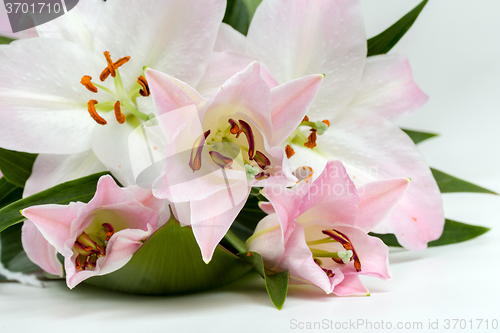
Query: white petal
x,y
296,38
229,39
42,102
387,88
172,36
77,26
50,170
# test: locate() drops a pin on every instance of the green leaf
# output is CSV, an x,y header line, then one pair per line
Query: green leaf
x,y
276,283
16,166
82,189
418,137
450,184
454,232
5,40
239,14
383,42
12,255
9,192
170,263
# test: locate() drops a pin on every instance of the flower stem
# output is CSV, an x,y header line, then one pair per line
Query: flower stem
x,y
235,242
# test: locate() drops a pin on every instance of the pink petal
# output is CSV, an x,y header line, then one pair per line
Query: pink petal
x,y
382,151
39,250
372,252
246,93
169,93
286,203
327,38
211,218
378,199
331,196
54,222
298,259
289,104
222,66
351,285
120,249
387,88
267,207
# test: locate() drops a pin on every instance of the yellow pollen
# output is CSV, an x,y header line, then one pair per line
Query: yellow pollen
x,y
86,81
93,113
120,117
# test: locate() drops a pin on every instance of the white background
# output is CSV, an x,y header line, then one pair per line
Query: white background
x,y
454,50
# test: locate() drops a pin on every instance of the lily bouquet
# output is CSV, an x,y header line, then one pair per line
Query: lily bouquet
x,y
170,147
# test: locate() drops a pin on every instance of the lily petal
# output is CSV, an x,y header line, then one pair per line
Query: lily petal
x,y
419,217
50,170
172,36
351,285
378,199
171,94
229,39
77,26
221,209
387,88
32,102
268,241
327,38
290,101
39,250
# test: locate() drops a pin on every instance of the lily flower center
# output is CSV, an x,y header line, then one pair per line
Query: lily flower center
x,y
90,247
224,147
124,98
341,257
298,137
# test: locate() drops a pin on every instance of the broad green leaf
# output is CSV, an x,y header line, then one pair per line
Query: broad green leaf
x,y
82,189
383,42
276,283
239,14
9,192
170,263
418,137
16,166
5,40
12,255
454,232
450,184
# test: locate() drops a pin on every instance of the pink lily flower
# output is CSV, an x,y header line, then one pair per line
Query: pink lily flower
x,y
353,118
96,238
318,230
220,147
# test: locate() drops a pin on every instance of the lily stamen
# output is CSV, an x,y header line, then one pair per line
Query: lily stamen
x,y
195,159
106,72
93,113
311,140
145,92
120,117
111,67
289,151
346,243
86,81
